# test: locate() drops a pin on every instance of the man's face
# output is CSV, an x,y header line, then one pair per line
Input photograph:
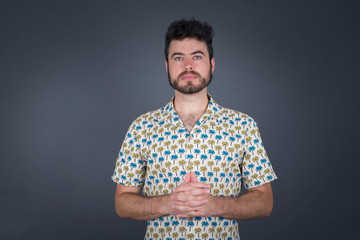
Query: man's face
x,y
189,68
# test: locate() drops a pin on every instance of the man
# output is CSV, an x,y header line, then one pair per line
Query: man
x,y
191,157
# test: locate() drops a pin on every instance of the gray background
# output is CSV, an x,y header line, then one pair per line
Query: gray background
x,y
75,74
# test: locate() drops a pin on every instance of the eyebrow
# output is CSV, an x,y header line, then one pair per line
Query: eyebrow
x,y
196,52
182,54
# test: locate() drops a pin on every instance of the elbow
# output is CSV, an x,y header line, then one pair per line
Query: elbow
x,y
268,205
125,201
124,212
268,209
119,212
119,208
265,208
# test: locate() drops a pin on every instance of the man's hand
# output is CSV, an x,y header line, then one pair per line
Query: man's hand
x,y
192,198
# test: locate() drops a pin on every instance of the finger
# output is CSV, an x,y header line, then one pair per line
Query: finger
x,y
179,209
188,214
192,192
183,187
197,203
199,191
180,197
199,185
187,178
185,197
186,187
193,177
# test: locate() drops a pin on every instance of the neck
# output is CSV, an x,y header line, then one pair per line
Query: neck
x,y
191,104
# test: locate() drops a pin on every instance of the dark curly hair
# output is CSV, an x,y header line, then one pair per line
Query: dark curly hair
x,y
180,29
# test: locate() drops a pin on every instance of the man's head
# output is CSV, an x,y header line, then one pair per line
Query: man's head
x,y
189,55
180,29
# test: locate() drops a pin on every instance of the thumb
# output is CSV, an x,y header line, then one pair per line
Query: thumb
x,y
187,178
193,177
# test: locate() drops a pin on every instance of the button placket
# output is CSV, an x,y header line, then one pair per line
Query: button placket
x,y
189,153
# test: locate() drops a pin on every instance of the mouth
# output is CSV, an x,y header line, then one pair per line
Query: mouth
x,y
191,75
188,76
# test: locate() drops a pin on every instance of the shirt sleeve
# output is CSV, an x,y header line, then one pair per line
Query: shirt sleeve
x,y
256,167
130,165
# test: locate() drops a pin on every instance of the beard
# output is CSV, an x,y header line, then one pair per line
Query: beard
x,y
190,87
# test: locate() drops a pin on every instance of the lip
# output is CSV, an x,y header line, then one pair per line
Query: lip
x,y
188,76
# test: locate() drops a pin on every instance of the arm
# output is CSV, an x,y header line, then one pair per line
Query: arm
x,y
129,203
257,202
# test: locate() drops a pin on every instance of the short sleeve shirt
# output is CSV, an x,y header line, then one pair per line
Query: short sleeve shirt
x,y
224,149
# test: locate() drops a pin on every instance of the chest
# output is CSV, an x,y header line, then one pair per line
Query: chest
x,y
189,121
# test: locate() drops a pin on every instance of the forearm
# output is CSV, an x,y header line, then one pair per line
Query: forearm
x,y
252,204
134,206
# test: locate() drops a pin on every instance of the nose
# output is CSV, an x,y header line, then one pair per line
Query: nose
x,y
188,67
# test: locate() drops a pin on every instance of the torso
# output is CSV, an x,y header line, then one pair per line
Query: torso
x,y
158,151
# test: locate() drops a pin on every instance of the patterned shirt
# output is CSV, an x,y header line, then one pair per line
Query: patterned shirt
x,y
224,149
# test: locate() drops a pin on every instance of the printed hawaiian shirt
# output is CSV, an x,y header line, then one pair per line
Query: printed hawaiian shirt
x,y
224,149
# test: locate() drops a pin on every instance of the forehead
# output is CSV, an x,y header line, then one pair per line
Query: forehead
x,y
187,45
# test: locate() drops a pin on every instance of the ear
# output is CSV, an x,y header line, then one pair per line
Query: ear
x,y
212,64
166,66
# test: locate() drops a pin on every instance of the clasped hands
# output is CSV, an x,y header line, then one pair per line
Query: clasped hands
x,y
192,198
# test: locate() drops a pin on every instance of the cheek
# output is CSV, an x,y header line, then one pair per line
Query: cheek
x,y
172,74
175,70
204,70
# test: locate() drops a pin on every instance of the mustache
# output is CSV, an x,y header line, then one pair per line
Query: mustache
x,y
187,72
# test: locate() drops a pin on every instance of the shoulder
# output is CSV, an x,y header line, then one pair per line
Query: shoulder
x,y
235,116
150,118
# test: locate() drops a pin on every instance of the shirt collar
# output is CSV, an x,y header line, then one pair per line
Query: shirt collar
x,y
212,112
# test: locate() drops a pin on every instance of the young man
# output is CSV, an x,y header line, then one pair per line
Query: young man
x,y
191,157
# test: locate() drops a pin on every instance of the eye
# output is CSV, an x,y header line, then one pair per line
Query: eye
x,y
198,57
178,58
